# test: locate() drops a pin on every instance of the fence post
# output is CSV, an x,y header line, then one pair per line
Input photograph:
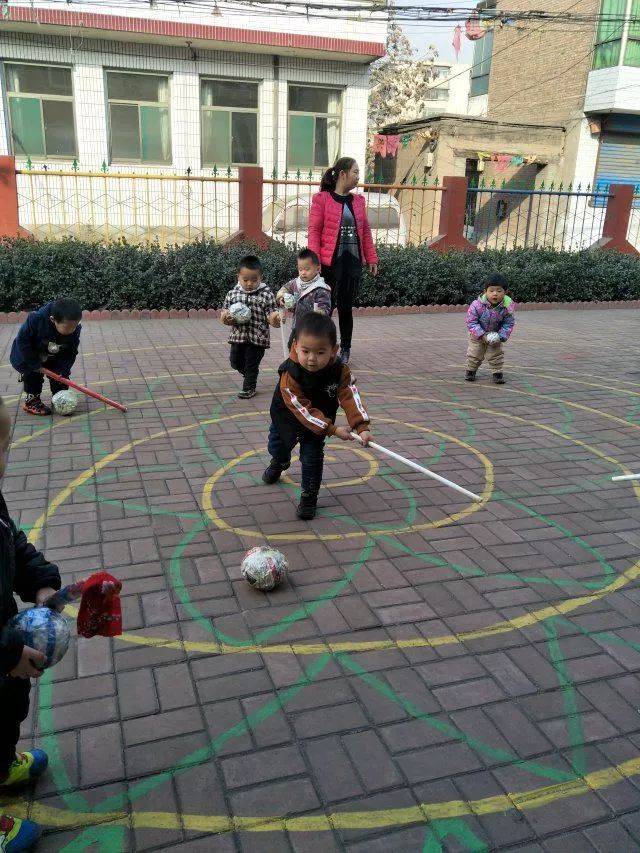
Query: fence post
x,y
250,201
9,223
452,212
616,220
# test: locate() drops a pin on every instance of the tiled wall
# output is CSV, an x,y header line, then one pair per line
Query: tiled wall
x,y
90,57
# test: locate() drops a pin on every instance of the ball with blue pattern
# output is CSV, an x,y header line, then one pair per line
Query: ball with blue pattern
x,y
44,630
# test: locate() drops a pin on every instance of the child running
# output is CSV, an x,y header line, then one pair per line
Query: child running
x,y
490,320
50,338
313,382
250,340
25,571
309,290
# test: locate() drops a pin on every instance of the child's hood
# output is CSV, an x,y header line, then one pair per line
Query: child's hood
x,y
305,288
240,289
507,302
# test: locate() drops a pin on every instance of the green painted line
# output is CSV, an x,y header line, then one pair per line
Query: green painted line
x,y
457,828
574,722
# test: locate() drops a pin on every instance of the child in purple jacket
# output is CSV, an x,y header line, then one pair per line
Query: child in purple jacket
x,y
490,320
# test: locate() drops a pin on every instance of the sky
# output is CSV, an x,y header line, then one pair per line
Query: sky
x,y
440,35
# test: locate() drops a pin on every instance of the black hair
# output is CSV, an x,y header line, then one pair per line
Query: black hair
x,y
330,177
495,280
64,309
308,255
250,262
316,324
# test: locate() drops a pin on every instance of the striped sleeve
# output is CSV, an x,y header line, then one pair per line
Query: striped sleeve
x,y
351,402
311,418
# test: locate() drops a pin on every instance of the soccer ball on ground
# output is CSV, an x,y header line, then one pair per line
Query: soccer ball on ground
x,y
264,568
65,402
240,312
44,630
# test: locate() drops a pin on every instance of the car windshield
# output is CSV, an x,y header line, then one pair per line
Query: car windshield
x,y
383,217
292,219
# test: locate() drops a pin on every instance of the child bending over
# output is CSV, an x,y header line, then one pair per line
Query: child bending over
x,y
490,320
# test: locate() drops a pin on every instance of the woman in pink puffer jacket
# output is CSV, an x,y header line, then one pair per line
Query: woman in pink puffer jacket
x,y
340,235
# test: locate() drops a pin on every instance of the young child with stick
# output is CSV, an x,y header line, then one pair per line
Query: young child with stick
x,y
48,338
25,571
313,383
307,292
249,336
490,320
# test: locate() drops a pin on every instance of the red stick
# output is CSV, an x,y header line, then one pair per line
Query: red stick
x,y
84,390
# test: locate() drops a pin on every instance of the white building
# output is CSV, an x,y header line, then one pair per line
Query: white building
x,y
140,86
450,91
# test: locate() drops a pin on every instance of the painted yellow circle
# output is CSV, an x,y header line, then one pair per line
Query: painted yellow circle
x,y
374,467
309,536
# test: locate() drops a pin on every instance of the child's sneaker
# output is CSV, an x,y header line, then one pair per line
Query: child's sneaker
x,y
307,507
498,379
27,767
33,405
17,835
272,473
470,376
247,393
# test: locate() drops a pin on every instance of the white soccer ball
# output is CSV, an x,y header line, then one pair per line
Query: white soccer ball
x,y
493,338
44,630
65,402
264,568
240,312
290,300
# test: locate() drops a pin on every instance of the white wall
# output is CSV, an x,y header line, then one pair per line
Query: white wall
x,y
616,89
478,106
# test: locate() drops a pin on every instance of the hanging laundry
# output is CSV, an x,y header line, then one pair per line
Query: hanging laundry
x,y
517,160
393,143
484,155
503,161
474,29
379,145
406,139
457,40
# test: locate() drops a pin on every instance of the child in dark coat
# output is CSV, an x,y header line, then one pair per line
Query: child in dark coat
x,y
50,338
313,383
308,292
490,321
25,571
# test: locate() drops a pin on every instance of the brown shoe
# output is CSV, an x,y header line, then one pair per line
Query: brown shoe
x,y
33,405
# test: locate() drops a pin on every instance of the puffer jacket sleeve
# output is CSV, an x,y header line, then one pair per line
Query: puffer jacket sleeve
x,y
473,319
316,223
507,324
368,246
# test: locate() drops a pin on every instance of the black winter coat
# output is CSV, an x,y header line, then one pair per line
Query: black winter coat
x,y
38,341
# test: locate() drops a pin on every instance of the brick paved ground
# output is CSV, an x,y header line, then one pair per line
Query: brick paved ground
x,y
516,727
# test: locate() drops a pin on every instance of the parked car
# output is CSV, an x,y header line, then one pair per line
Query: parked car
x,y
287,219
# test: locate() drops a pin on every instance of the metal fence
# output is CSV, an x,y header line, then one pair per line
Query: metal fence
x,y
633,234
134,207
506,218
399,214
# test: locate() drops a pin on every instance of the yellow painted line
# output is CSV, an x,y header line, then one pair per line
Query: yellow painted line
x,y
522,801
374,467
212,512
502,627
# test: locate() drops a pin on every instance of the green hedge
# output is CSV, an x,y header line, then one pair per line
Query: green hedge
x,y
198,275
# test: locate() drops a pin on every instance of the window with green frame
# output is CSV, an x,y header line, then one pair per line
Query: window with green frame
x,y
610,33
632,53
139,117
229,110
314,127
40,110
481,66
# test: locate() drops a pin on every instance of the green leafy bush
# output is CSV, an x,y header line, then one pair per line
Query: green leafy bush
x,y
198,275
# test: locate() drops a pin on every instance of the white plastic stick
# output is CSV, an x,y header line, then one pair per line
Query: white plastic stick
x,y
625,477
419,468
284,343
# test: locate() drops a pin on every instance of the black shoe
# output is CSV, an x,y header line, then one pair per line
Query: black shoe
x,y
273,473
247,393
307,507
470,376
33,405
498,379
345,355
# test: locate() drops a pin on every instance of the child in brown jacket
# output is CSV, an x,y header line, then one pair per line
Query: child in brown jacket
x,y
313,383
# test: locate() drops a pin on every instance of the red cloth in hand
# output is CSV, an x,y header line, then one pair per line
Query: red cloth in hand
x,y
100,610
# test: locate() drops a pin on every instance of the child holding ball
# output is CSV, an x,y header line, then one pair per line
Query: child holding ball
x,y
249,308
25,571
490,320
308,292
313,383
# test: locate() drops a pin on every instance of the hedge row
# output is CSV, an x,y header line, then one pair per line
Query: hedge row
x,y
198,275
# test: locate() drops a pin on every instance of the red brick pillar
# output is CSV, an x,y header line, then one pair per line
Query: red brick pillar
x,y
9,225
452,212
616,220
250,208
